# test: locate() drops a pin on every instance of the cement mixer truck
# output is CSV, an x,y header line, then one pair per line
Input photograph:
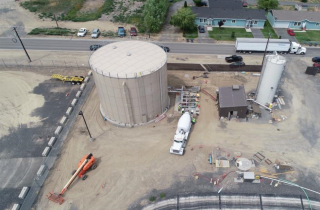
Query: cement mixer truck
x,y
182,133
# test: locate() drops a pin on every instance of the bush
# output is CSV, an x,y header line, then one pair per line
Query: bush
x,y
52,31
152,198
162,195
197,3
233,35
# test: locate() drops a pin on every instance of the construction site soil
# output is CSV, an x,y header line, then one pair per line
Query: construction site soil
x,y
134,164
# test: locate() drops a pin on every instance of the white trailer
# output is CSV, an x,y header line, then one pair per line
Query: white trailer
x,y
181,136
282,46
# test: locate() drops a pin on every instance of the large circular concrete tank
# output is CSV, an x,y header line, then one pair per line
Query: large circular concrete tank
x,y
131,79
270,77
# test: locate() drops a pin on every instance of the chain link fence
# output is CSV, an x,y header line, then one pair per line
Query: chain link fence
x,y
14,63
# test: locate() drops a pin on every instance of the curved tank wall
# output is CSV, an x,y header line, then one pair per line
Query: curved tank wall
x,y
272,70
131,80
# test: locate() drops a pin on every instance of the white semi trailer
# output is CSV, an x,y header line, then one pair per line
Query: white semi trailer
x,y
182,133
282,46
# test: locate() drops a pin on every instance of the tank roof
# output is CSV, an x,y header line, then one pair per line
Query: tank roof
x,y
276,59
128,59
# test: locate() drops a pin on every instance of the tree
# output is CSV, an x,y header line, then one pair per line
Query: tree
x,y
184,19
197,3
220,23
154,14
305,1
185,4
268,4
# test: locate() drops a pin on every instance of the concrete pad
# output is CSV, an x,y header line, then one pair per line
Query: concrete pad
x,y
46,151
74,102
58,130
78,94
52,141
69,110
16,206
23,192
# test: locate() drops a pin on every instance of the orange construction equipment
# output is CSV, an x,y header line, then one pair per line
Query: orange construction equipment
x,y
85,164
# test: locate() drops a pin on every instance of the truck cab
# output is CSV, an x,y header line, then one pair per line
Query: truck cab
x,y
181,135
297,49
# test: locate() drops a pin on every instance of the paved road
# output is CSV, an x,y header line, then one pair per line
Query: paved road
x,y
83,45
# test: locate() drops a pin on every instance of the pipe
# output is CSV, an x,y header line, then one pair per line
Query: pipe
x,y
248,99
293,184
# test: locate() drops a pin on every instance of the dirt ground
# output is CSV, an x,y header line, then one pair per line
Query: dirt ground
x,y
135,162
11,14
17,100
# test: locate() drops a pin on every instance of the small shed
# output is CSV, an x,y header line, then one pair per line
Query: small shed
x,y
232,102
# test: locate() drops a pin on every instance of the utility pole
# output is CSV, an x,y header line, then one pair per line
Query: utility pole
x,y
81,113
15,30
54,15
265,51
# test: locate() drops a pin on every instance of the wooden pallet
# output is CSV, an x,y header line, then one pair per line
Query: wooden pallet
x,y
268,161
259,157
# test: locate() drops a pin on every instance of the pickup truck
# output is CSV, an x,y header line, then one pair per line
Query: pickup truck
x,y
121,32
233,58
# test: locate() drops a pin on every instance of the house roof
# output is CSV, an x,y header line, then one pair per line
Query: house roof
x,y
234,4
228,97
229,13
296,15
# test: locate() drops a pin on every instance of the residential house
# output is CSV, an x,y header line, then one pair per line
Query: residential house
x,y
294,19
231,13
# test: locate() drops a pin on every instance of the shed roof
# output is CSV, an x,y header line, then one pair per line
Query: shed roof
x,y
229,13
296,15
232,98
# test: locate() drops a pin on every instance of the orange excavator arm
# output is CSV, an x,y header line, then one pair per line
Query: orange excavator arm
x,y
76,174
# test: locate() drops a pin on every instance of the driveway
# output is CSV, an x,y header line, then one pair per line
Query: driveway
x,y
204,37
256,33
284,35
169,32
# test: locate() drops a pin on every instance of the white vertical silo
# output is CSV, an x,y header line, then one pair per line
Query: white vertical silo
x,y
271,73
131,80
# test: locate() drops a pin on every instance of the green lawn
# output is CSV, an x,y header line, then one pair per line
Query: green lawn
x,y
308,36
192,34
226,34
268,29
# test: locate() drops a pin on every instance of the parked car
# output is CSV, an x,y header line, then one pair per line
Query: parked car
x,y
233,58
204,4
166,49
290,32
316,65
244,3
95,33
201,29
121,32
316,59
95,47
133,31
237,64
82,32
